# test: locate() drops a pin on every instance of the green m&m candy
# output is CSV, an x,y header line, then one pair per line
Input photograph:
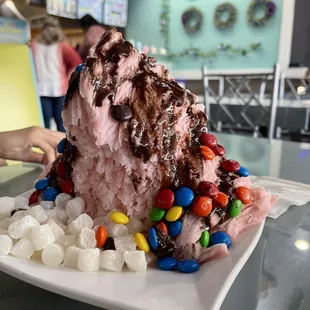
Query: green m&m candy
x,y
205,239
156,214
235,208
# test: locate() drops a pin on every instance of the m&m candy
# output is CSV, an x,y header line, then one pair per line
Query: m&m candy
x,y
156,214
119,218
162,228
208,189
80,67
60,169
61,146
67,186
164,199
34,198
235,208
101,236
244,194
220,237
50,194
218,150
42,183
167,263
174,213
243,172
142,242
202,206
184,196
188,266
208,139
174,228
153,240
205,239
206,152
230,165
221,200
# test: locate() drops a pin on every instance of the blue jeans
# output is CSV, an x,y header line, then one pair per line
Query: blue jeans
x,y
51,108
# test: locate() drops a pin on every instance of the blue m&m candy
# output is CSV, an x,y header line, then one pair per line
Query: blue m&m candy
x,y
184,196
153,241
61,145
41,184
50,194
188,266
80,67
243,172
174,228
167,263
220,237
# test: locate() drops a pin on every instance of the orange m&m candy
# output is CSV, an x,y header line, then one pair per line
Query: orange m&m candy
x,y
202,206
244,194
161,227
221,200
101,236
206,152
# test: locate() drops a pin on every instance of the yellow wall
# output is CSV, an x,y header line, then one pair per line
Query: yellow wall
x,y
19,105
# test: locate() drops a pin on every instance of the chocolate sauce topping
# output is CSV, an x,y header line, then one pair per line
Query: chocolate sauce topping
x,y
151,109
73,86
166,245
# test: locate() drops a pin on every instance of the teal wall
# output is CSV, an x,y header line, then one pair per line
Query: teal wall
x,y
143,25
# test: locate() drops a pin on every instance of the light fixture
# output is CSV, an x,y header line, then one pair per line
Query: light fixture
x,y
302,245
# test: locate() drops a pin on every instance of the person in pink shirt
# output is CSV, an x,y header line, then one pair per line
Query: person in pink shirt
x,y
93,32
54,60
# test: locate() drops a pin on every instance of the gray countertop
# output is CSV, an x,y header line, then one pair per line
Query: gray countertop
x,y
276,277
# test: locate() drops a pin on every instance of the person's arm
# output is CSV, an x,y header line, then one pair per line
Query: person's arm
x,y
18,144
70,56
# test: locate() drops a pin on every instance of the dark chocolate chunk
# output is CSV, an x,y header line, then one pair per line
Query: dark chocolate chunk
x,y
121,113
16,210
166,245
109,244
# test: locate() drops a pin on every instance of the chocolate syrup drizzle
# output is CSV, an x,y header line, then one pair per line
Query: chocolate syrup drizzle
x,y
151,129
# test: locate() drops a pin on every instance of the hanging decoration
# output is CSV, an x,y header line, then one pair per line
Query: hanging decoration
x,y
269,8
222,47
164,21
192,20
225,8
194,51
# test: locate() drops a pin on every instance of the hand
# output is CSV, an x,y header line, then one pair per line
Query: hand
x,y
18,144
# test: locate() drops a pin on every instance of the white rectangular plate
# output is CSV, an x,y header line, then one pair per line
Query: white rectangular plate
x,y
152,290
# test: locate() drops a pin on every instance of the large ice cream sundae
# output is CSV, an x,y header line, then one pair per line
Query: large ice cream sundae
x,y
138,147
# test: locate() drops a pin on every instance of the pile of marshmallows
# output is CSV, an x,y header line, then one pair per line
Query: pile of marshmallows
x,y
61,233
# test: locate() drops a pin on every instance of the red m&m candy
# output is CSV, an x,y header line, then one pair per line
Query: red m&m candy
x,y
60,169
221,200
218,150
208,139
67,186
206,152
230,165
208,189
34,198
164,199
244,194
202,206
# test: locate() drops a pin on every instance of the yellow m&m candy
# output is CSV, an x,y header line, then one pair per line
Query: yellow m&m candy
x,y
142,242
174,213
119,218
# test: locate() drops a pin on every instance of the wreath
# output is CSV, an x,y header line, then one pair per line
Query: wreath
x,y
192,20
220,11
270,10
